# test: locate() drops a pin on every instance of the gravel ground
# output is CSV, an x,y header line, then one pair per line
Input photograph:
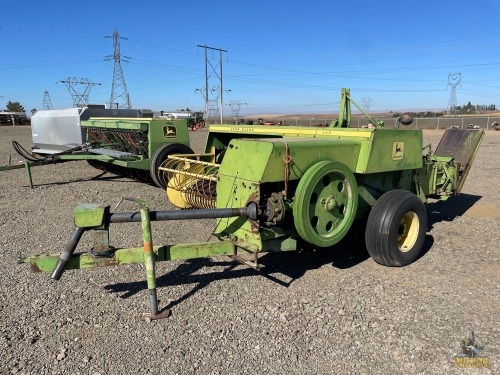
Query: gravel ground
x,y
317,312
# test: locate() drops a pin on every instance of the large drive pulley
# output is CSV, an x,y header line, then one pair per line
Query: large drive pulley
x,y
325,203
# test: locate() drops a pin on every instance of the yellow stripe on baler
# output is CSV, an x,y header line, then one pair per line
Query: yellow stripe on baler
x,y
292,131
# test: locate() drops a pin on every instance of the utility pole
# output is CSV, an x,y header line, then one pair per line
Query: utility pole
x,y
209,102
454,80
47,103
119,87
79,98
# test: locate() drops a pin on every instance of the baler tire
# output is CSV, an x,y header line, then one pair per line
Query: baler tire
x,y
396,228
160,156
316,220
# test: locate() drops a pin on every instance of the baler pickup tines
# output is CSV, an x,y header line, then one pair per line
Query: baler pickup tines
x,y
192,182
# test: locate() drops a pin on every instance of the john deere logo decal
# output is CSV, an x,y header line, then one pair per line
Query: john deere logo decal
x,y
398,150
169,132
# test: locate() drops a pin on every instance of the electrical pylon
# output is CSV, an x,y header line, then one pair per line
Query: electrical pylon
x,y
213,104
119,93
367,102
235,106
47,103
79,98
453,81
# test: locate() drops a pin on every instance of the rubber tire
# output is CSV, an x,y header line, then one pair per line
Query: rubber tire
x,y
311,179
159,158
381,235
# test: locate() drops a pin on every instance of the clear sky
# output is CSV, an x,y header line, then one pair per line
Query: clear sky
x,y
283,56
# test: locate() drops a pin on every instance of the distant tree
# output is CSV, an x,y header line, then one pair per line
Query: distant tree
x,y
15,107
469,108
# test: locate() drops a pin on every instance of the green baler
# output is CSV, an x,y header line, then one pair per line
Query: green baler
x,y
284,188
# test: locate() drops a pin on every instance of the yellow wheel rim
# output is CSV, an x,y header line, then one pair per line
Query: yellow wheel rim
x,y
408,231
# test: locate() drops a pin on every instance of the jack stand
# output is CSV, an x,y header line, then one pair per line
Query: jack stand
x,y
149,263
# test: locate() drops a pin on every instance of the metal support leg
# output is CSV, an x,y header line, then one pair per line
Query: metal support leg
x,y
149,263
27,168
67,252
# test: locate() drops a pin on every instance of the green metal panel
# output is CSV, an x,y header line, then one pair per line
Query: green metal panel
x,y
380,150
89,215
264,158
163,131
305,152
141,124
391,150
248,163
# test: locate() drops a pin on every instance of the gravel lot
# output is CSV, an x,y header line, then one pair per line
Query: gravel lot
x,y
318,312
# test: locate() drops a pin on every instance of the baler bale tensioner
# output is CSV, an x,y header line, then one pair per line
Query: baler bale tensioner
x,y
130,147
284,188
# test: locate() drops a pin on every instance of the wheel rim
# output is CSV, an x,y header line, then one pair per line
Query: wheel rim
x,y
325,203
408,230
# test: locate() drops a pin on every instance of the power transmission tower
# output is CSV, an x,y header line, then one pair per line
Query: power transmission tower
x,y
119,93
47,103
79,98
235,106
367,102
214,104
453,81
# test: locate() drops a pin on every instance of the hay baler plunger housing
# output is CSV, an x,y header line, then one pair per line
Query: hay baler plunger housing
x,y
284,188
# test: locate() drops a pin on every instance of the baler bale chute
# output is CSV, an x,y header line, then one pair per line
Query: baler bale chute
x,y
289,187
